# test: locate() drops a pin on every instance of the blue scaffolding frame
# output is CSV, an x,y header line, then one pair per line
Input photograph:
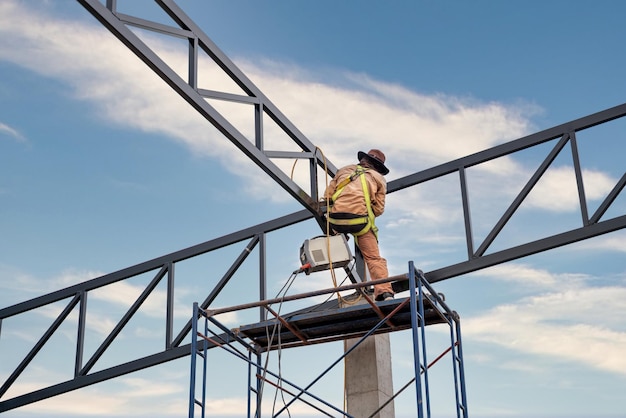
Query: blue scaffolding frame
x,y
425,305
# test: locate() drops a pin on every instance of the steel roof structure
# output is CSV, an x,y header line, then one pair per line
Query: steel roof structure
x,y
161,268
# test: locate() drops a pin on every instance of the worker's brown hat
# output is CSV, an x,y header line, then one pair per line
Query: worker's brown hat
x,y
376,158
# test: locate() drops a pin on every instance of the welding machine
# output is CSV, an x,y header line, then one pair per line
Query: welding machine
x,y
319,253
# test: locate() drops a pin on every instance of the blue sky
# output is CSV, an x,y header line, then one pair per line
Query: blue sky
x,y
102,167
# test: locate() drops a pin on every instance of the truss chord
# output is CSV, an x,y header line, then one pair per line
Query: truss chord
x,y
187,92
511,147
530,248
176,350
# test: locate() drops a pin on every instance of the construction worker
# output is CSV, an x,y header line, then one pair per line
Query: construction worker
x,y
356,196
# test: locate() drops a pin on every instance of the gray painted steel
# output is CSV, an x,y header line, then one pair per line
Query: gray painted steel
x,y
163,267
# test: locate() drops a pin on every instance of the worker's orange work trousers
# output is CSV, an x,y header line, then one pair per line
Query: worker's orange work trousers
x,y
377,266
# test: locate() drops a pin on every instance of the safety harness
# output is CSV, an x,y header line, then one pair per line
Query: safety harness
x,y
351,224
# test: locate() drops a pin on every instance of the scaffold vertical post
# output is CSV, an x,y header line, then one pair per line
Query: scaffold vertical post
x,y
415,323
194,350
459,373
205,359
421,281
194,354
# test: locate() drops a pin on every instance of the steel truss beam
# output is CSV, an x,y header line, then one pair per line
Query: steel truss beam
x,y
77,295
591,226
119,23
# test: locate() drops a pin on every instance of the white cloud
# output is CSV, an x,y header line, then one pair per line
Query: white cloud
x,y
570,320
6,130
526,275
557,190
513,327
158,398
416,131
611,242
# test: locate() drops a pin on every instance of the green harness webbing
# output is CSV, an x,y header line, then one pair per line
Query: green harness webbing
x,y
369,219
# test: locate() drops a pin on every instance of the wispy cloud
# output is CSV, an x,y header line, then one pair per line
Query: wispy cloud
x,y
161,399
351,112
342,114
558,321
7,131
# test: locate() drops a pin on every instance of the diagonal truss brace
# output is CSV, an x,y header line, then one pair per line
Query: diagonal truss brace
x,y
119,23
592,224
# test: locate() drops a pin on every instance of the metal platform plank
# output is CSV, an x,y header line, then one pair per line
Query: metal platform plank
x,y
329,321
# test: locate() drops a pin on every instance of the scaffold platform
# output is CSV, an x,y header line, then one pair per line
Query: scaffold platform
x,y
356,316
338,320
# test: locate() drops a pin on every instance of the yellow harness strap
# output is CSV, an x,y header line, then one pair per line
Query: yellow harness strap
x,y
369,220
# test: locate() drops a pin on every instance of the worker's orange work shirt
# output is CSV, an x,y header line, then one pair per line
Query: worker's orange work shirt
x,y
351,199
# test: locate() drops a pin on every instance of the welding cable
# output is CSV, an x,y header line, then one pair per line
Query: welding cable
x,y
330,261
276,330
280,377
327,232
359,292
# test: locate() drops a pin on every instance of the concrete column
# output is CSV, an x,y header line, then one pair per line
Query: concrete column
x,y
368,377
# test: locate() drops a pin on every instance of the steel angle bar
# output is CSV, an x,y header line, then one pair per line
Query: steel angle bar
x,y
39,345
582,200
80,337
543,167
221,284
169,310
262,272
153,26
604,206
508,148
122,323
228,97
527,249
192,96
467,219
95,377
158,263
